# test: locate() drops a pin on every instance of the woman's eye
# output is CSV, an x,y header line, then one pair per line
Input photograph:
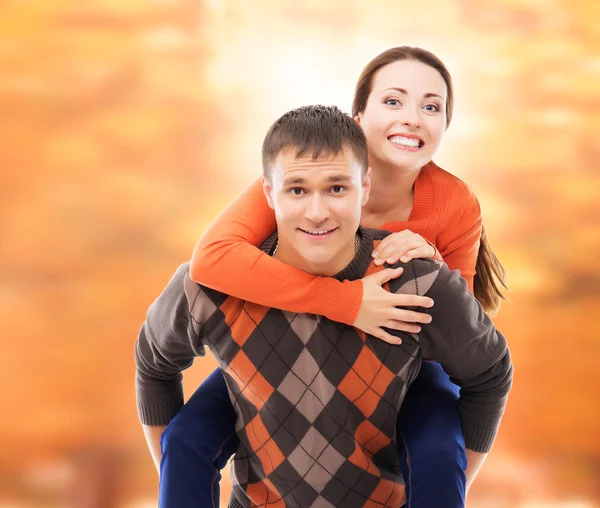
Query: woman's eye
x,y
392,102
432,107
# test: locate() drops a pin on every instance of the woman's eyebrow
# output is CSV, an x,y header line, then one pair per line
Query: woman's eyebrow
x,y
403,91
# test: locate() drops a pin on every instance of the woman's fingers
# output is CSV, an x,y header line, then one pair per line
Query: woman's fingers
x,y
390,255
420,252
384,276
400,248
389,240
409,316
386,337
381,311
400,300
389,245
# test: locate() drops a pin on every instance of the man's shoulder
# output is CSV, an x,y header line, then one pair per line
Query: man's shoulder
x,y
182,287
181,272
184,300
196,294
417,277
377,234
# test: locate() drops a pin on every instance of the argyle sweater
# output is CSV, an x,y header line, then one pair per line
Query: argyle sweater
x,y
317,400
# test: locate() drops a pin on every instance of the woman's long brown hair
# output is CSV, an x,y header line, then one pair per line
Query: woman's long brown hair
x,y
489,276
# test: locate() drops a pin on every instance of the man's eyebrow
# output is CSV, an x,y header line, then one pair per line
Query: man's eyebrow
x,y
339,178
332,179
294,181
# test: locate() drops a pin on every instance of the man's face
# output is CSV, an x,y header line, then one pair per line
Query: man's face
x,y
317,206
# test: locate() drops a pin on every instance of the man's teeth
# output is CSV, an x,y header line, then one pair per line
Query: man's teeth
x,y
318,232
401,140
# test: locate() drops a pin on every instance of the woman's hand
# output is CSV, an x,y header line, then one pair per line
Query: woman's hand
x,y
379,308
403,246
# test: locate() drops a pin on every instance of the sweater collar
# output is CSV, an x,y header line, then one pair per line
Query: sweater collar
x,y
355,269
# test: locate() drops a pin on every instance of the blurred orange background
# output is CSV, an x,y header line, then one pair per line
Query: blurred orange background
x,y
128,125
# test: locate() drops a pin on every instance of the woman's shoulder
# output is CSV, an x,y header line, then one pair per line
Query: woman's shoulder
x,y
453,189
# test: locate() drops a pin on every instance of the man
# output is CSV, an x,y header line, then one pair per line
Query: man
x,y
316,401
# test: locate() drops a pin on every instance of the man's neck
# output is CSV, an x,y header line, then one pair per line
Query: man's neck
x,y
286,253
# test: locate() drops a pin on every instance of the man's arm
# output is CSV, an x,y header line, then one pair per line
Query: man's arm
x,y
167,345
475,355
475,462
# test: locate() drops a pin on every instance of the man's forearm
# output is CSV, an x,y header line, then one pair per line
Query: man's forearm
x,y
474,462
153,435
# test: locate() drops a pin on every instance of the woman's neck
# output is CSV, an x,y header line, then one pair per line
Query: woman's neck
x,y
392,192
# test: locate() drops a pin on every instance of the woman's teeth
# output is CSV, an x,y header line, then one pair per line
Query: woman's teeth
x,y
401,140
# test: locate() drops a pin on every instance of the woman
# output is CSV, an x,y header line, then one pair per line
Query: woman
x,y
403,101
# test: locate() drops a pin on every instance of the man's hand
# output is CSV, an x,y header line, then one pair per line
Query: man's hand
x,y
153,439
378,308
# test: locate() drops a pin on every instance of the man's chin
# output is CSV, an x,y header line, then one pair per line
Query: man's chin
x,y
319,261
318,265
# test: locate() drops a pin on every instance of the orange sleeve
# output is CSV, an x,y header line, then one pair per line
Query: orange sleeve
x,y
458,241
227,258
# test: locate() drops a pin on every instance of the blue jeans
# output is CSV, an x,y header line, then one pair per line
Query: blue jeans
x,y
430,441
195,447
200,439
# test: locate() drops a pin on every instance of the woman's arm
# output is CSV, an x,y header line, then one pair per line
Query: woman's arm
x,y
227,259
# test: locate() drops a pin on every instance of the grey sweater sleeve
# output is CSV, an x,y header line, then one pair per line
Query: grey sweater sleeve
x,y
167,345
474,354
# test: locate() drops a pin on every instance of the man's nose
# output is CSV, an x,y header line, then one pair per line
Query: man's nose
x,y
317,210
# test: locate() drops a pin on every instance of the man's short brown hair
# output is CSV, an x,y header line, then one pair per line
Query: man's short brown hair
x,y
322,130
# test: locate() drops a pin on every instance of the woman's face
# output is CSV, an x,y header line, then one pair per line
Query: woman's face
x,y
405,116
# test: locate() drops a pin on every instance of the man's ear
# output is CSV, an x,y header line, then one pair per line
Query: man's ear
x,y
366,186
268,190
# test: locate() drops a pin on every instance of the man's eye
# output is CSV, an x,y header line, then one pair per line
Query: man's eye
x,y
338,189
296,191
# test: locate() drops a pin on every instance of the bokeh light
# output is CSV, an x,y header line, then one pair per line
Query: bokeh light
x,y
128,125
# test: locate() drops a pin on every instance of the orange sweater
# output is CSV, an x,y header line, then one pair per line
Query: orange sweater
x,y
227,258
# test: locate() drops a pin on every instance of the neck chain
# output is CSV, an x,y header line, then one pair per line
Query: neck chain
x,y
356,245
